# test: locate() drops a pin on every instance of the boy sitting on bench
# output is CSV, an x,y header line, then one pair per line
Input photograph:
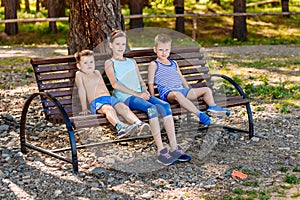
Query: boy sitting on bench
x,y
173,87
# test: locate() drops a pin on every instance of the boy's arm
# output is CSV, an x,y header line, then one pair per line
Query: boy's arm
x,y
183,80
81,92
109,70
151,73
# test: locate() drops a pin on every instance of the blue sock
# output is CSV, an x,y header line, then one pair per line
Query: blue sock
x,y
198,113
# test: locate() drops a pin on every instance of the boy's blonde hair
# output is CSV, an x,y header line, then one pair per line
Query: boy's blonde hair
x,y
79,54
162,38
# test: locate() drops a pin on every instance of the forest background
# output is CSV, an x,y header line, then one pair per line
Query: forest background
x,y
211,30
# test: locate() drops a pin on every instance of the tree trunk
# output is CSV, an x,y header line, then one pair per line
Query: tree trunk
x,y
56,8
91,22
37,5
285,6
11,13
179,9
218,2
18,4
239,22
136,8
45,4
60,8
27,8
51,14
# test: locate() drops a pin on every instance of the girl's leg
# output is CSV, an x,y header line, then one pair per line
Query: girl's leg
x,y
155,130
165,110
136,103
170,129
206,92
126,113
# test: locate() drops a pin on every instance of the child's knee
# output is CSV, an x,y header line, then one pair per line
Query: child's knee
x,y
152,112
208,90
107,109
176,95
165,109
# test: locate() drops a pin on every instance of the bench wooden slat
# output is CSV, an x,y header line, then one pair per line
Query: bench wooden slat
x,y
55,68
62,93
52,60
185,56
195,70
56,76
62,101
57,85
198,77
183,63
55,111
229,104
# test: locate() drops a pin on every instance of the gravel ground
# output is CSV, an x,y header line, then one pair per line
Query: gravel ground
x,y
128,170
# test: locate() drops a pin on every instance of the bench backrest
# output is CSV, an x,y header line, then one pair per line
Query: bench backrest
x,y
56,75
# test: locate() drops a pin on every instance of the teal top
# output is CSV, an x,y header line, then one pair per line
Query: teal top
x,y
126,74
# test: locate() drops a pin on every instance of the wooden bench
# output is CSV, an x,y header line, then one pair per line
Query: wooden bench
x,y
55,80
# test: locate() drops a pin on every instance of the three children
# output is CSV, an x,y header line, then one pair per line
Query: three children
x,y
131,92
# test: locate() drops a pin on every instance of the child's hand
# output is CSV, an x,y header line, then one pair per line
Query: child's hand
x,y
145,95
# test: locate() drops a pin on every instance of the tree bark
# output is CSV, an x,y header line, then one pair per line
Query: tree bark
x,y
239,22
285,7
136,8
18,4
56,8
179,9
11,13
91,22
27,7
51,14
218,2
37,5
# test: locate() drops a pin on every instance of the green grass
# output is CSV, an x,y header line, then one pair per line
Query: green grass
x,y
297,168
240,194
291,179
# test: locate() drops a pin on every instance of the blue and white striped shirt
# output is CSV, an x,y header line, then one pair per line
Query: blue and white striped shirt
x,y
167,78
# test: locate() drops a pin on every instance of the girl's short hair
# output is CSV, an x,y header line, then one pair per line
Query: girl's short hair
x,y
79,54
115,34
162,38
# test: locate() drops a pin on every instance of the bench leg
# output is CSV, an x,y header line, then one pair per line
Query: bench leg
x,y
248,107
250,121
69,127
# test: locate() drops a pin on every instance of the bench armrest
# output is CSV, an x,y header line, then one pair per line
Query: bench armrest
x,y
230,80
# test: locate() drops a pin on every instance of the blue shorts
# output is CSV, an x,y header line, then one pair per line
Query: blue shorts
x,y
96,104
183,91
